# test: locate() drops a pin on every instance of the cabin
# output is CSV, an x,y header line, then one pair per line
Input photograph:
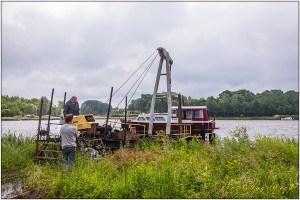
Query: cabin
x,y
194,118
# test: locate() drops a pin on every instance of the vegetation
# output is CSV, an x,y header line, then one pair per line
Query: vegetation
x,y
241,103
93,107
234,167
19,106
16,154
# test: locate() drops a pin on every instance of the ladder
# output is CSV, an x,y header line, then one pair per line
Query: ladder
x,y
49,149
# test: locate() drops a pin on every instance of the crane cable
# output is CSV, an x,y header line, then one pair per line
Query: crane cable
x,y
143,76
131,75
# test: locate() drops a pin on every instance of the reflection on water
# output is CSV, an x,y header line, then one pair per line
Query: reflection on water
x,y
11,189
277,128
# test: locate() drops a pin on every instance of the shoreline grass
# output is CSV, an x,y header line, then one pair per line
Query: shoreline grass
x,y
17,152
234,167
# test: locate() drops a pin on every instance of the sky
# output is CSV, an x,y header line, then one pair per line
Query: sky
x,y
85,48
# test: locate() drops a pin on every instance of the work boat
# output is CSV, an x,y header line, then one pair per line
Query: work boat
x,y
195,121
186,121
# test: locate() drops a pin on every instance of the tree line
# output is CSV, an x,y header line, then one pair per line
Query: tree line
x,y
12,106
232,103
19,106
227,104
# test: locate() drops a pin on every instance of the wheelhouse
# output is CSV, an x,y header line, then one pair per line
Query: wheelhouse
x,y
194,113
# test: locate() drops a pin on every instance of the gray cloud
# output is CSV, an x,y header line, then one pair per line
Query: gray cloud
x,y
84,48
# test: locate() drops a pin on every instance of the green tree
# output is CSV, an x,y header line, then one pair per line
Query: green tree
x,y
94,107
212,105
227,104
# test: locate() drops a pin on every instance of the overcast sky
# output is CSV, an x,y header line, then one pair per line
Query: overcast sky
x,y
85,48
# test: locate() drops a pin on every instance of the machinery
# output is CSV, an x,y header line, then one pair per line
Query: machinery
x,y
93,137
102,138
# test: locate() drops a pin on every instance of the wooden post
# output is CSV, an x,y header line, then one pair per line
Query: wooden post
x,y
50,108
108,110
65,95
125,127
179,110
39,130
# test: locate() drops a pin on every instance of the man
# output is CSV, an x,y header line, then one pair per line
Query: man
x,y
68,135
71,106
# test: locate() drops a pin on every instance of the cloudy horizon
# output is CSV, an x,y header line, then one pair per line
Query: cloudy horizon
x,y
85,48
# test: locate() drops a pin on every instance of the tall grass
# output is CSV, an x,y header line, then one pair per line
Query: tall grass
x,y
234,167
16,153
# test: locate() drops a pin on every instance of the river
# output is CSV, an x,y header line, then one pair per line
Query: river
x,y
270,128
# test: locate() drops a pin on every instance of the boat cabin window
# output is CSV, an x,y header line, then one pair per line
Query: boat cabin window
x,y
198,113
160,119
141,119
188,114
148,118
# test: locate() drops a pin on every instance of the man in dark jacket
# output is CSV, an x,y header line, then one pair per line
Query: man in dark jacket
x,y
71,106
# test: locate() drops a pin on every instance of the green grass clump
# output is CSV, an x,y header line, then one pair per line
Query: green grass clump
x,y
16,153
234,167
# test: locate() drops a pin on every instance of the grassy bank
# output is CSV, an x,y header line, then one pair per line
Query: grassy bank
x,y
16,157
231,168
16,152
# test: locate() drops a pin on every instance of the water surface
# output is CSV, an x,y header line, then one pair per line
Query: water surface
x,y
272,128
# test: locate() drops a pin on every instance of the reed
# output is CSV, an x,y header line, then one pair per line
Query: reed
x,y
234,167
16,153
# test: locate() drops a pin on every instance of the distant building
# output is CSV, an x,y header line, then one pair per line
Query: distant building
x,y
129,112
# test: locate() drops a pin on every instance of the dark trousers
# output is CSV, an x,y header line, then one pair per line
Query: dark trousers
x,y
68,156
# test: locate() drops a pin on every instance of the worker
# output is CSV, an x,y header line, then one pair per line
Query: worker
x,y
68,134
71,106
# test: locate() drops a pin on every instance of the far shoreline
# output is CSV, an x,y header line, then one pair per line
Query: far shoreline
x,y
276,117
